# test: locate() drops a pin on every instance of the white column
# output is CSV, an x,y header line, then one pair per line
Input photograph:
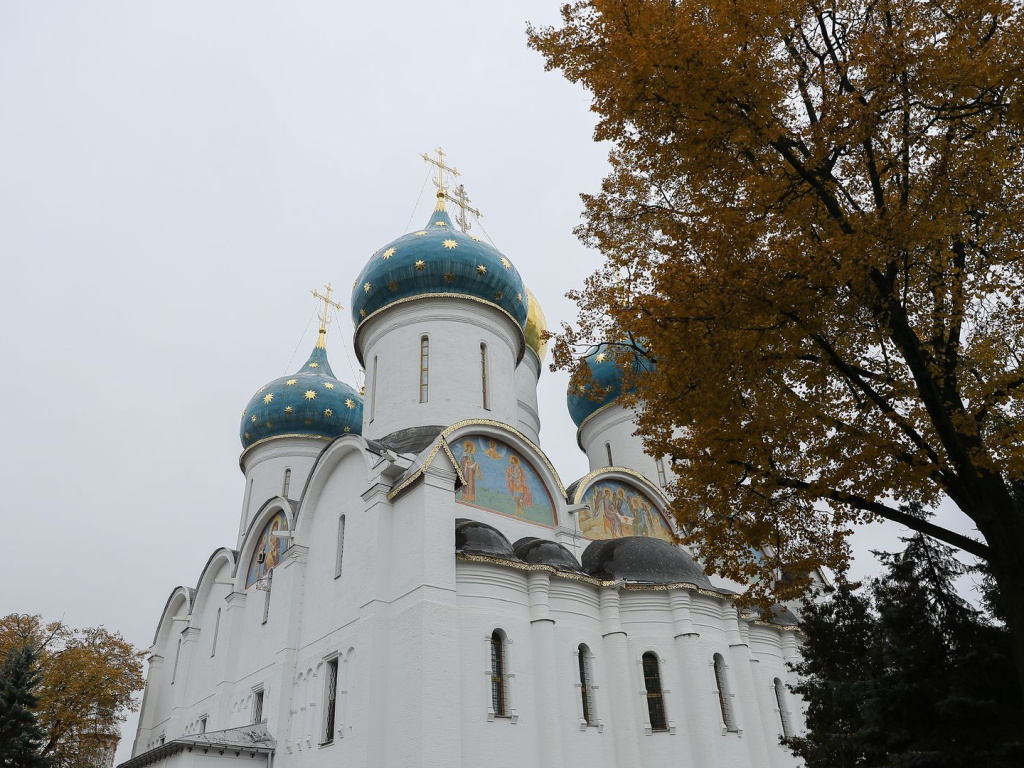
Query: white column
x,y
618,668
745,702
700,722
791,655
542,633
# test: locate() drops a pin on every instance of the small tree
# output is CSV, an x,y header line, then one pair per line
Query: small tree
x,y
905,673
21,738
88,679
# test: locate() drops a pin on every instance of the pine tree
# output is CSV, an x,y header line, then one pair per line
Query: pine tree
x,y
904,672
21,738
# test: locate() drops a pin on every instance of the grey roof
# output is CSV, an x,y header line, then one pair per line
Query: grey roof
x,y
248,739
643,560
571,490
413,439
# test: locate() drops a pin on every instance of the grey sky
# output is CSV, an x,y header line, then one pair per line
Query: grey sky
x,y
174,178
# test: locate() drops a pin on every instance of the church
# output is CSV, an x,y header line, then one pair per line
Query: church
x,y
413,584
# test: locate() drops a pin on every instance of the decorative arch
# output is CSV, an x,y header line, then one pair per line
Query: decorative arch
x,y
621,502
258,536
328,460
180,597
204,586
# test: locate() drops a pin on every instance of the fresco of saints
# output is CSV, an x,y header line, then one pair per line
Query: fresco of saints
x,y
641,523
274,547
470,471
492,450
518,488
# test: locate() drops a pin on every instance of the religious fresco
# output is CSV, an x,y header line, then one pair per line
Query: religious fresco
x,y
499,479
273,548
615,509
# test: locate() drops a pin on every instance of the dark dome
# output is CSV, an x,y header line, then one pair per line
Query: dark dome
x,y
475,538
639,558
545,552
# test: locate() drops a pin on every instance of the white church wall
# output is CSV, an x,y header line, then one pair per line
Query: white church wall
x,y
390,344
614,427
265,466
527,374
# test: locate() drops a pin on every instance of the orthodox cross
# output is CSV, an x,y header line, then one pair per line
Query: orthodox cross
x,y
325,313
461,199
442,185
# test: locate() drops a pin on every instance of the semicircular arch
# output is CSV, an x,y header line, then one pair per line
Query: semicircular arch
x,y
628,512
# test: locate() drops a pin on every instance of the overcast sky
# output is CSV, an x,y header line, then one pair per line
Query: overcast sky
x,y
174,179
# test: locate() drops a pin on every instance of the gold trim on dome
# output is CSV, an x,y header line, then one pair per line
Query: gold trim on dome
x,y
263,440
440,295
584,481
500,425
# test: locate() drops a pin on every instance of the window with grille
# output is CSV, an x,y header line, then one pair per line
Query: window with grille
x,y
662,479
257,706
424,367
341,547
483,375
586,692
498,700
655,700
780,697
724,699
330,700
266,598
216,632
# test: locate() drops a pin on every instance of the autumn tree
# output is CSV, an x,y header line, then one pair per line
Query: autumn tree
x,y
902,671
88,679
813,222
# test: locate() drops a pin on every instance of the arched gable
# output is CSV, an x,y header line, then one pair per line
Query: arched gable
x,y
218,559
328,460
179,603
503,471
275,510
621,502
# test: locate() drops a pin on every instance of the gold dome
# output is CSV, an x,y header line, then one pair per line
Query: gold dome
x,y
536,324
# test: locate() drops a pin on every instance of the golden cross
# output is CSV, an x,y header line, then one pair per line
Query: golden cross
x,y
442,186
461,199
325,314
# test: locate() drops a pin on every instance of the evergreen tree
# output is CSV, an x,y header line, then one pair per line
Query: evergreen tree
x,y
904,672
21,738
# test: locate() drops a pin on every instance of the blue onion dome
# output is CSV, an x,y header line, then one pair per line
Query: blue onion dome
x,y
642,559
438,260
536,326
311,402
607,374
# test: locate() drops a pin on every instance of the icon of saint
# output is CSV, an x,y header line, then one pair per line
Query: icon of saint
x,y
492,450
515,479
471,472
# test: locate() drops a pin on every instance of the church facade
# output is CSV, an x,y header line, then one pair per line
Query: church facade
x,y
414,585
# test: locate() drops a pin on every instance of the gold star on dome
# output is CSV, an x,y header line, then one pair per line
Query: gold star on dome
x,y
519,297
347,429
243,413
328,385
388,253
248,436
310,394
450,244
314,365
270,425
392,286
362,313
268,399
254,418
366,287
308,422
421,265
291,382
440,224
481,269
601,357
498,295
349,402
505,263
474,237
354,283
289,409
328,412
421,233
262,390
449,277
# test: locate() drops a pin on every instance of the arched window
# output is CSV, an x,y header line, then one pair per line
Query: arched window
x,y
341,547
586,691
266,599
608,450
424,367
780,697
655,700
483,376
662,479
287,485
498,697
724,695
216,632
177,655
373,389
